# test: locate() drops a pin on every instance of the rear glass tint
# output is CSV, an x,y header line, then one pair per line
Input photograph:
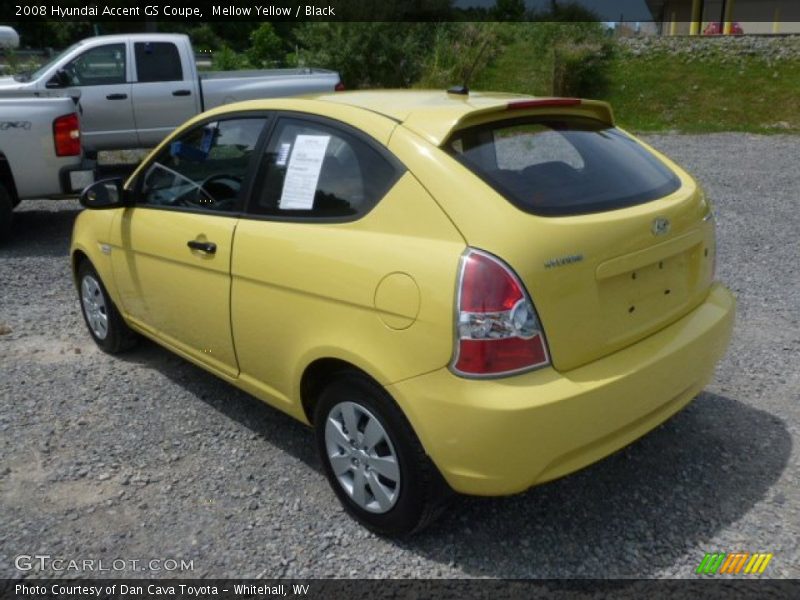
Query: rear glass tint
x,y
562,166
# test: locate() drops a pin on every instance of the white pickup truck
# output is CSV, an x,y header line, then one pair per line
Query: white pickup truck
x,y
136,88
40,151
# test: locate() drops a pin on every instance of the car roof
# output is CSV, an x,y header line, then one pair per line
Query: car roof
x,y
401,104
432,114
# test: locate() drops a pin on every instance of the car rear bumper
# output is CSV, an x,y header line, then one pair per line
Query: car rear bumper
x,y
502,436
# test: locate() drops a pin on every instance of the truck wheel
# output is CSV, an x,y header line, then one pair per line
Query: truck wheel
x,y
6,208
105,324
374,461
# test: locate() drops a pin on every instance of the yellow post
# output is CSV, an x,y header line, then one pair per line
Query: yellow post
x,y
776,21
694,26
672,25
728,18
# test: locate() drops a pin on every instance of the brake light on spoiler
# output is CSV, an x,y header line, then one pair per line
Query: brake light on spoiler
x,y
543,103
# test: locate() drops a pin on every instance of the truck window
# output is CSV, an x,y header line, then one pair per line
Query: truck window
x,y
102,65
157,61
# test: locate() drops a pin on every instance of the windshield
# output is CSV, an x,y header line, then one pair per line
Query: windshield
x,y
563,165
43,69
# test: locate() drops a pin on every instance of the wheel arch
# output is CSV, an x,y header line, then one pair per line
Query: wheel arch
x,y
78,258
7,179
320,373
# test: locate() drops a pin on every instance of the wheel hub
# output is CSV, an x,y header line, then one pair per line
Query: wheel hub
x,y
94,306
362,457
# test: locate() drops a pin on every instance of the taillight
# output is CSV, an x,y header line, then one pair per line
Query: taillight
x,y
339,87
67,135
497,330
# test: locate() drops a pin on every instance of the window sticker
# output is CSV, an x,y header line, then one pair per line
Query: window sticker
x,y
302,174
283,155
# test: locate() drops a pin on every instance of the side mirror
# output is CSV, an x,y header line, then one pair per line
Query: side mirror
x,y
59,80
106,193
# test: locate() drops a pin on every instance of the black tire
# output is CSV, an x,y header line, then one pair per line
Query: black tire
x,y
118,337
6,213
422,490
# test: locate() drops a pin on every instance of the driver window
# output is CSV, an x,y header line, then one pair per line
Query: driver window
x,y
204,168
103,65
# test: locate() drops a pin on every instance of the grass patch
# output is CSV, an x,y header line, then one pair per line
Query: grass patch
x,y
661,92
518,68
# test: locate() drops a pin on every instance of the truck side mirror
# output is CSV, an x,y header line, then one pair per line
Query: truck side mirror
x,y
106,193
59,80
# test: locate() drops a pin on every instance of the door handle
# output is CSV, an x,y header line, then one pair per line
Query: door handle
x,y
207,247
182,93
116,96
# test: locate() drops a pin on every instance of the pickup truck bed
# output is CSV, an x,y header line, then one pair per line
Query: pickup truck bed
x,y
224,87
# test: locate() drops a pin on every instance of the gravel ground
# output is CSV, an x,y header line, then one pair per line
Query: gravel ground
x,y
146,456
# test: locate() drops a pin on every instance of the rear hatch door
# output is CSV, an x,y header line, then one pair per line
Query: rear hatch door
x,y
612,240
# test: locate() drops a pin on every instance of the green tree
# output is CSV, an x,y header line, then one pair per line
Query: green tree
x,y
509,10
204,39
266,47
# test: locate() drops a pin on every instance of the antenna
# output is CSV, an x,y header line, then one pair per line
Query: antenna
x,y
463,89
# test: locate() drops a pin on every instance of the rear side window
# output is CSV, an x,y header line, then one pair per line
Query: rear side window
x,y
157,61
563,166
312,170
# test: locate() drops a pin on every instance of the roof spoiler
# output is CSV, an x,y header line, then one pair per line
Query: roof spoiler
x,y
594,109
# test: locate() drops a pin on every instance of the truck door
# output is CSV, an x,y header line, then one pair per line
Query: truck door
x,y
164,94
100,74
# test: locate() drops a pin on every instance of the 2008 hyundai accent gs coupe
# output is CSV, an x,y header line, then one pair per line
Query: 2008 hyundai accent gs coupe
x,y
469,292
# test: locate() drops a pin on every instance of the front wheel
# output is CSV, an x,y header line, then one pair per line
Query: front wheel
x,y
105,324
373,459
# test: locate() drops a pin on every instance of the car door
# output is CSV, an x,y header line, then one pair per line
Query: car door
x,y
163,96
101,75
172,247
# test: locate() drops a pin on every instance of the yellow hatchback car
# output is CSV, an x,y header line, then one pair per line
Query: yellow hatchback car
x,y
459,291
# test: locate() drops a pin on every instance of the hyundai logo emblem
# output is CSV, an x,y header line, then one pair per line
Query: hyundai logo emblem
x,y
660,226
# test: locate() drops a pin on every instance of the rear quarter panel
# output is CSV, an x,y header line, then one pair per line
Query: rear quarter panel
x,y
304,291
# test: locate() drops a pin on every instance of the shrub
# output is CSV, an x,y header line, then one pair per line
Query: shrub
x,y
580,56
581,68
381,54
227,60
460,52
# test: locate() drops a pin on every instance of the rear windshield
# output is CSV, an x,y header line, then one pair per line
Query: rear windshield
x,y
562,166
